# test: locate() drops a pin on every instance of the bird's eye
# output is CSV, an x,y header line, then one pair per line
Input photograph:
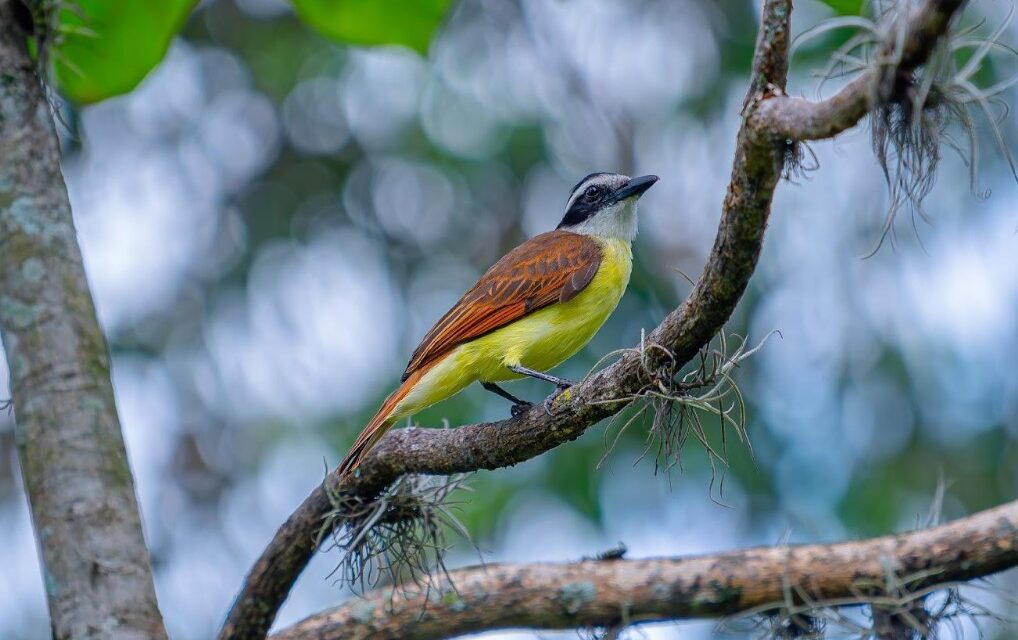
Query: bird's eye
x,y
592,193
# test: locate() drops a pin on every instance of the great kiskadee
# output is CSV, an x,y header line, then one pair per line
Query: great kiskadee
x,y
536,307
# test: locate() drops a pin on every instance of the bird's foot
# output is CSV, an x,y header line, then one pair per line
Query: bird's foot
x,y
519,408
560,387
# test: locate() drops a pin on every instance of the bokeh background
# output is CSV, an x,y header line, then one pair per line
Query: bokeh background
x,y
270,222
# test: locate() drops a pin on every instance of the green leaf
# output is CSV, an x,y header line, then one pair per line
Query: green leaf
x,y
105,48
370,22
846,7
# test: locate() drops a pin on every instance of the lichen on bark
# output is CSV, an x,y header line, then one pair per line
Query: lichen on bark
x,y
96,568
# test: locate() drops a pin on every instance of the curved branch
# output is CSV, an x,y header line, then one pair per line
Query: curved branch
x,y
70,448
800,119
757,167
606,593
492,445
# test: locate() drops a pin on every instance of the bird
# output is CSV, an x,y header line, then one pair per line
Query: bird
x,y
533,309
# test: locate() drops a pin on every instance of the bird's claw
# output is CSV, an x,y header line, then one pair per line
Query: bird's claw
x,y
549,402
520,408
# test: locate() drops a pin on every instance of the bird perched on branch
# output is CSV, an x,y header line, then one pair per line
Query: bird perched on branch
x,y
536,307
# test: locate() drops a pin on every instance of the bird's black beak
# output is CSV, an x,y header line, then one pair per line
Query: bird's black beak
x,y
635,187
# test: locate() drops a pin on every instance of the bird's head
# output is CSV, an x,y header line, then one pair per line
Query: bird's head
x,y
604,204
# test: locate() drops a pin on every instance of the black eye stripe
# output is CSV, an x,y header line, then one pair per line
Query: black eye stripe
x,y
590,195
586,205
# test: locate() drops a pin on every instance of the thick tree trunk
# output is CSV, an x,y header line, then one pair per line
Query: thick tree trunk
x,y
96,567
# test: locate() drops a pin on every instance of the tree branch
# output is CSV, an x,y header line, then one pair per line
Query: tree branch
x,y
97,572
606,593
800,119
757,167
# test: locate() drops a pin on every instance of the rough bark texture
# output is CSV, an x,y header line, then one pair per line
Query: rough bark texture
x,y
799,119
755,173
605,593
757,167
96,566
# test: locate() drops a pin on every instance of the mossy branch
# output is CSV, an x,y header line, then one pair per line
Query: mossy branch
x,y
759,163
70,447
906,43
604,593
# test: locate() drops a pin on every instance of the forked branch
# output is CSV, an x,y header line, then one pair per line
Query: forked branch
x,y
757,168
800,119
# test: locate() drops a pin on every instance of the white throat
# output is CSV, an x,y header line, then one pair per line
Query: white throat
x,y
617,222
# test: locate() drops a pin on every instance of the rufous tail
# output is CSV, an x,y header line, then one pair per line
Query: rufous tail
x,y
377,426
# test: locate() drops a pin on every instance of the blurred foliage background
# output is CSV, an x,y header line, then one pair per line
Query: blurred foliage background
x,y
271,221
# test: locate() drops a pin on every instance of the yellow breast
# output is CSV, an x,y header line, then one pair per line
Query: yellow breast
x,y
541,340
546,338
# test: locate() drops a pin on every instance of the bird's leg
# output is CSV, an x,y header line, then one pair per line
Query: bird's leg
x,y
561,384
519,406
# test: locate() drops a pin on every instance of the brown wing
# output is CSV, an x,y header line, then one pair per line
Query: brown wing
x,y
548,268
